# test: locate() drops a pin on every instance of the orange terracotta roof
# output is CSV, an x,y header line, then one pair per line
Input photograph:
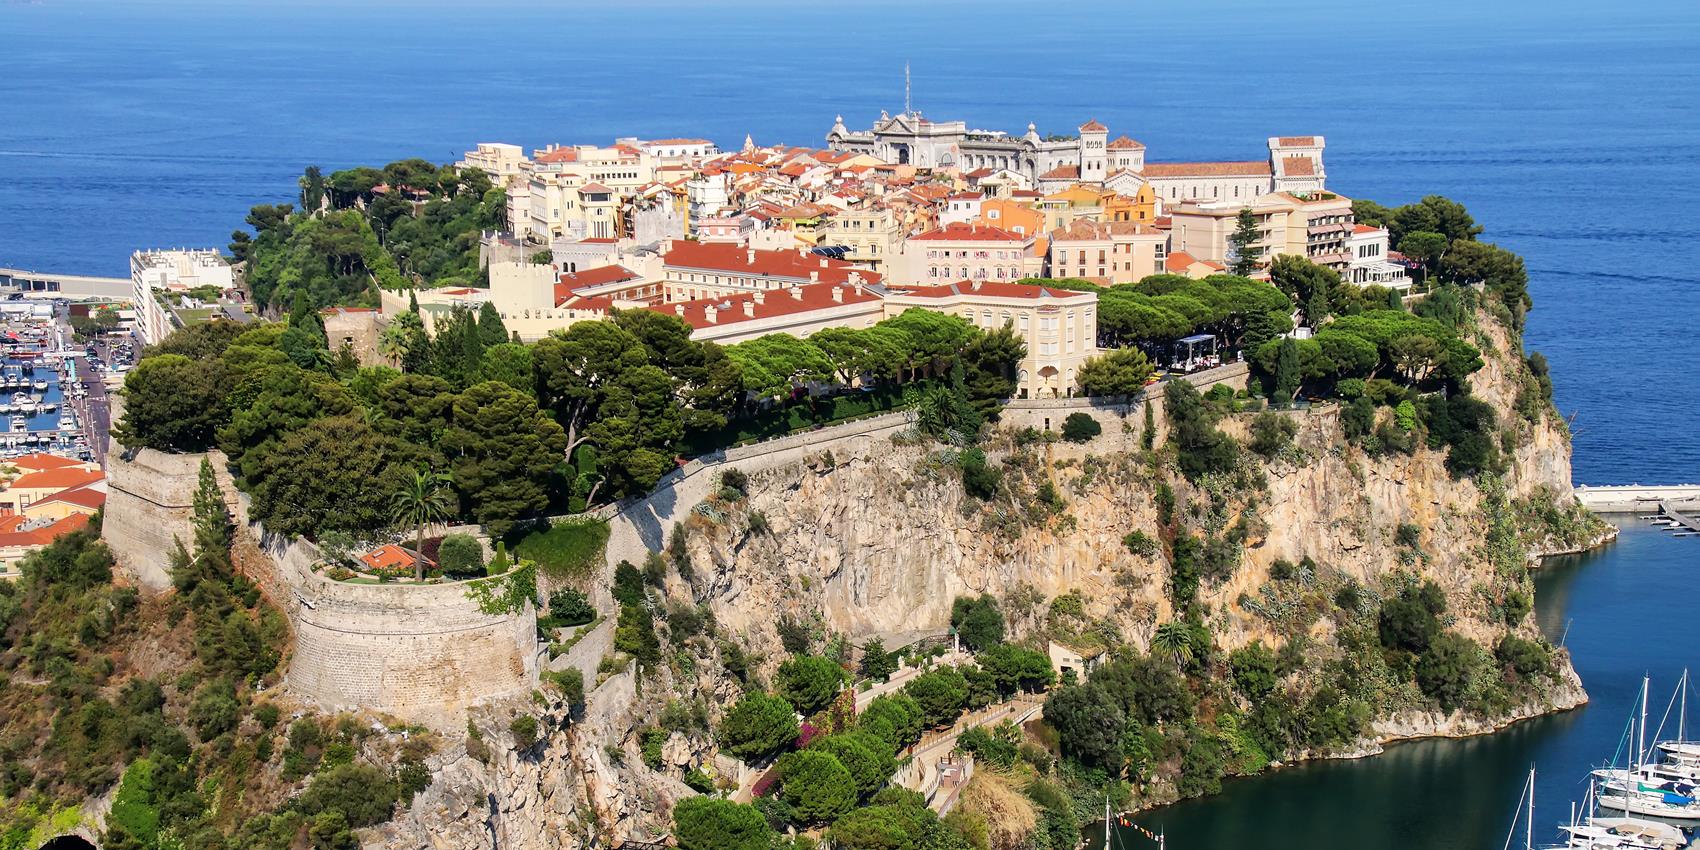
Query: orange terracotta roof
x,y
37,461
790,265
1295,141
596,188
1298,166
56,479
959,232
10,522
1365,228
1180,261
1093,126
46,534
85,496
1252,168
731,309
1123,143
558,155
392,557
1062,172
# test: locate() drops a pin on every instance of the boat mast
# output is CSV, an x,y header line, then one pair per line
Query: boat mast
x,y
1106,820
1682,715
1529,829
1641,735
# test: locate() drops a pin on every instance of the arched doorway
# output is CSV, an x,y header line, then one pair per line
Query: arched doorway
x,y
69,842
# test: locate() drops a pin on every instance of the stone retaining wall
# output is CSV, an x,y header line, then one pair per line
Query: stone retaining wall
x,y
422,654
149,507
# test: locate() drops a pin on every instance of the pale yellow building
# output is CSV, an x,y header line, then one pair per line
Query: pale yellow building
x,y
1060,327
1107,253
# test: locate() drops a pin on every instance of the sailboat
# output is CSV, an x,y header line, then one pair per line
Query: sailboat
x,y
1587,832
1638,791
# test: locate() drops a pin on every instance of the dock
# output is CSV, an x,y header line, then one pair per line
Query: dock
x,y
1689,521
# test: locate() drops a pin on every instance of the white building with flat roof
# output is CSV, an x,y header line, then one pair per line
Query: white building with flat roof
x,y
152,272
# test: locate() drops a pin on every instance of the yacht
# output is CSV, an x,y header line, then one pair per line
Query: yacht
x,y
19,425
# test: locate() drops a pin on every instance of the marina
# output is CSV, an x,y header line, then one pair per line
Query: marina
x,y
40,391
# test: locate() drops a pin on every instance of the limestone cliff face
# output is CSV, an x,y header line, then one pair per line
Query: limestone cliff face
x,y
880,540
875,536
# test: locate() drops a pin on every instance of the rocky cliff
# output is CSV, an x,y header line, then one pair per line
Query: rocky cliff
x,y
877,537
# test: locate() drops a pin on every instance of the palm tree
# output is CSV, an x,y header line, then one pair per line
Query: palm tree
x,y
1175,638
423,499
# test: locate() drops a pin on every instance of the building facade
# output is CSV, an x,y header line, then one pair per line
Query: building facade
x,y
1060,327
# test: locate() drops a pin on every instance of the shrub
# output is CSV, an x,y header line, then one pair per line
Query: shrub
x,y
1526,658
736,481
1139,544
1445,670
978,479
1272,432
570,607
793,634
460,556
1080,428
1411,620
570,684
524,729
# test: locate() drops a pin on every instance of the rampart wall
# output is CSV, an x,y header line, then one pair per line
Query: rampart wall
x,y
422,654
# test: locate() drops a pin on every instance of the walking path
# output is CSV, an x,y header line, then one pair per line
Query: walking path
x,y
937,744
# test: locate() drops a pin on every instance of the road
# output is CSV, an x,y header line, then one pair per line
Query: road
x,y
94,412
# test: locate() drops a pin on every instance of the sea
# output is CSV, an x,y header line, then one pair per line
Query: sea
x,y
1568,127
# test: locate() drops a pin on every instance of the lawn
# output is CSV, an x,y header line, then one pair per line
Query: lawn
x,y
567,549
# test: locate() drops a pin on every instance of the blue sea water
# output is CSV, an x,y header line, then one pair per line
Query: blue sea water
x,y
1569,127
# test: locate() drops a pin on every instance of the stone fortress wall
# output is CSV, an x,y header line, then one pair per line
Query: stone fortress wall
x,y
640,526
421,654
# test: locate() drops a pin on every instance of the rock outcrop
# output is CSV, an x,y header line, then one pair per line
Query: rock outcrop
x,y
868,531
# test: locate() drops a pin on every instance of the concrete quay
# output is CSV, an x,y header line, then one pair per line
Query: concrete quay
x,y
1635,498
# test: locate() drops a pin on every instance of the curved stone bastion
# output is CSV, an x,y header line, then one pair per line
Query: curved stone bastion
x,y
422,653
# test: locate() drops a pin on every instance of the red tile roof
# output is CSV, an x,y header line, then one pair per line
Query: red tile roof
x,y
1178,261
596,188
56,479
959,232
1298,166
1123,143
392,557
730,309
1093,126
10,522
86,497
736,259
559,155
597,276
1254,168
1062,172
1295,141
1365,228
37,461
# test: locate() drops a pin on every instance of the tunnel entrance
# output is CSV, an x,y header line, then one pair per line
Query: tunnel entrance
x,y
69,842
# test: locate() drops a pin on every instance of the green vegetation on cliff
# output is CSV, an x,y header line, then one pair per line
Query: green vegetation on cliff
x,y
161,698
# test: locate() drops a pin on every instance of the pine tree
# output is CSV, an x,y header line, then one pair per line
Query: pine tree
x,y
490,325
1286,370
1243,248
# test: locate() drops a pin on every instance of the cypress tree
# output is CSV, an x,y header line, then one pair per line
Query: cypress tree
x,y
1243,244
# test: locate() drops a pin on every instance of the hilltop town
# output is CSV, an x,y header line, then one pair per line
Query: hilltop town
x,y
899,492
